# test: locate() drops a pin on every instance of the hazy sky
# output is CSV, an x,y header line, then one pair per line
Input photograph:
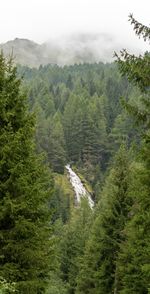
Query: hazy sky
x,y
41,20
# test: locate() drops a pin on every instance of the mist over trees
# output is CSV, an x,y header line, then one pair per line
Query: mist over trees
x,y
76,48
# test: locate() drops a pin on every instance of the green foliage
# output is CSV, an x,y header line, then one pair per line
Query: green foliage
x,y
25,187
73,243
136,68
125,130
99,273
81,120
46,246
60,205
133,261
86,100
56,151
134,256
140,29
5,287
56,286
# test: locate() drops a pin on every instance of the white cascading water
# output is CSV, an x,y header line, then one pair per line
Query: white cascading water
x,y
78,187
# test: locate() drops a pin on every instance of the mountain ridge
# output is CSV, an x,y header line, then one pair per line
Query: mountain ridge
x,y
76,48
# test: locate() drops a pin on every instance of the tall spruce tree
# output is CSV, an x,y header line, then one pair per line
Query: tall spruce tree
x,y
25,187
72,244
56,151
134,257
99,273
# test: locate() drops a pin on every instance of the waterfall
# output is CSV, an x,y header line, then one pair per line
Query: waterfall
x,y
78,187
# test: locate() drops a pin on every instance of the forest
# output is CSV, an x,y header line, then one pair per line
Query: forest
x,y
96,118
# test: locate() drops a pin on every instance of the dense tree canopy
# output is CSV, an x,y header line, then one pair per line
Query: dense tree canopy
x,y
77,108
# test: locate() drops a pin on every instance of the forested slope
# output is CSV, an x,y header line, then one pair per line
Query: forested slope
x,y
80,118
95,117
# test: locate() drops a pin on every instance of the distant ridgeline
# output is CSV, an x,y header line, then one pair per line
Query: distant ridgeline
x,y
79,115
78,48
26,52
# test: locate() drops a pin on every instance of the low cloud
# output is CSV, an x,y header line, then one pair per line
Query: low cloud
x,y
67,50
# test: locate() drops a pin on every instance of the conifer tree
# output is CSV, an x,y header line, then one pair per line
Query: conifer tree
x,y
134,257
25,187
56,143
72,120
99,273
73,243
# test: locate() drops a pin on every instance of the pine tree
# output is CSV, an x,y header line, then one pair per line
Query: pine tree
x,y
25,187
56,142
73,243
99,273
135,250
133,260
72,121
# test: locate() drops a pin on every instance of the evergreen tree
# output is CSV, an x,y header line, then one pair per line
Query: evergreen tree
x,y
99,274
73,243
60,204
133,260
73,117
56,151
43,130
25,187
135,250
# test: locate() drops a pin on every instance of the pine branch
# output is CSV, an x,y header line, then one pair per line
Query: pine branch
x,y
140,29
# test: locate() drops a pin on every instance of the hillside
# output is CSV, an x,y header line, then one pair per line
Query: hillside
x,y
26,52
